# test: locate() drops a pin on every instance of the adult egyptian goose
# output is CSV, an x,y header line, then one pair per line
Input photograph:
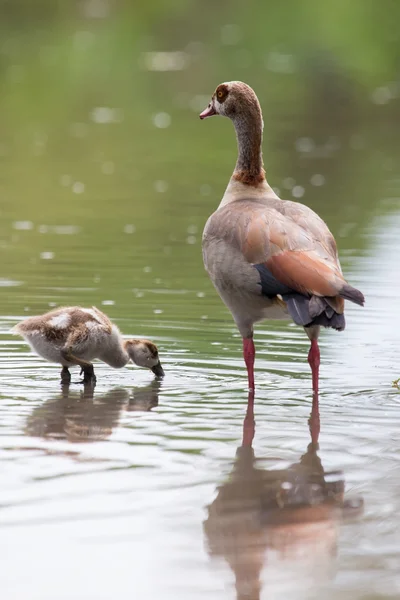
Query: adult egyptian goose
x,y
269,257
75,336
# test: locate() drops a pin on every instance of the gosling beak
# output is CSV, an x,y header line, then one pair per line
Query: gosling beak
x,y
158,370
208,112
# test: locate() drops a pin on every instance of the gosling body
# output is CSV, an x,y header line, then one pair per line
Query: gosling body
x,y
76,336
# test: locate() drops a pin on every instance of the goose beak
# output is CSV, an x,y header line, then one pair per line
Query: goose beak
x,y
158,370
208,112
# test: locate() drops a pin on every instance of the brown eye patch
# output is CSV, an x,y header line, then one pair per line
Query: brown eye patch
x,y
221,93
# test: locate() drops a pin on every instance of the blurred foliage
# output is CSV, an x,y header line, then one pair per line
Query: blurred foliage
x,y
327,75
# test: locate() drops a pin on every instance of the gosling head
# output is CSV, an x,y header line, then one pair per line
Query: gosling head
x,y
232,99
145,354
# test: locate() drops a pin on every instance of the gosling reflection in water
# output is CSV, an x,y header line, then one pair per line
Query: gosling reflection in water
x,y
88,417
279,523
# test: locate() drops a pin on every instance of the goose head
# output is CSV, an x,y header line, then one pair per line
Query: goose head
x,y
232,99
144,354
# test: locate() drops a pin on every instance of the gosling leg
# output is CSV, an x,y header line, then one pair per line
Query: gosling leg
x,y
65,376
86,367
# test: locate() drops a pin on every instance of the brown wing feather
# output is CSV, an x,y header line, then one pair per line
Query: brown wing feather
x,y
305,273
255,245
295,245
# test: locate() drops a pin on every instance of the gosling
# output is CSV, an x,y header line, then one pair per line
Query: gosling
x,y
75,336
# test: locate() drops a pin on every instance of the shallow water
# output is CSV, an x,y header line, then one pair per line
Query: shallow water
x,y
164,489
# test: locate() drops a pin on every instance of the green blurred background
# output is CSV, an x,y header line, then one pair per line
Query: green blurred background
x,y
107,175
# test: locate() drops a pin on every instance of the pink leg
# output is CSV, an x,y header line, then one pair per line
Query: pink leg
x,y
249,353
314,360
249,423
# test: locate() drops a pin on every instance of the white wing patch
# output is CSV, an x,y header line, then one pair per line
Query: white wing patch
x,y
60,321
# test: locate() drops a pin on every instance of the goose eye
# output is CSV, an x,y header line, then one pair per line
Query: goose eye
x,y
220,93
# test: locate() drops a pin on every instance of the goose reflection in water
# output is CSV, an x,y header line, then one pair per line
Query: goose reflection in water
x,y
278,526
87,416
